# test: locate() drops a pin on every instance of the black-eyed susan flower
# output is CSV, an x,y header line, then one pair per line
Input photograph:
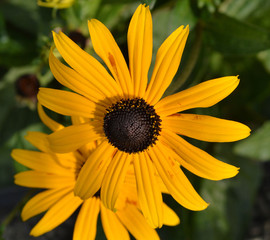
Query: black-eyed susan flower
x,y
127,115
55,3
57,173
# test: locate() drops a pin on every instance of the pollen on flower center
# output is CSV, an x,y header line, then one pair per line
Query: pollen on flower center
x,y
131,125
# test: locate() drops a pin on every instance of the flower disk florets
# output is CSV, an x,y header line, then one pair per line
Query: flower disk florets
x,y
131,125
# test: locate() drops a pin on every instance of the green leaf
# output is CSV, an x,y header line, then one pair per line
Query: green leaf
x,y
242,9
112,14
209,5
264,57
26,16
167,19
241,197
79,13
231,36
212,222
257,145
182,15
16,47
18,32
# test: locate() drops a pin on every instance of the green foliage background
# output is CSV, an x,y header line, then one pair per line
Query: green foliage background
x,y
227,37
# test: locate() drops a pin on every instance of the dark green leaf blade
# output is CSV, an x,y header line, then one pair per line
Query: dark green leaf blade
x,y
257,146
231,36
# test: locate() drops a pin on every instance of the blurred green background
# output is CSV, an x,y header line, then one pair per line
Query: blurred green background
x,y
227,37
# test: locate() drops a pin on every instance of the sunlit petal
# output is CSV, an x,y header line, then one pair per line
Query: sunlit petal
x,y
71,138
50,123
86,222
170,217
198,161
43,201
167,62
175,180
42,162
136,224
92,173
39,140
86,65
149,194
114,179
57,214
106,47
203,95
73,80
34,179
205,128
68,103
113,228
140,44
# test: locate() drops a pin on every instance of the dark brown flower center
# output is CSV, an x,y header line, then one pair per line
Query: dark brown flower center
x,y
131,125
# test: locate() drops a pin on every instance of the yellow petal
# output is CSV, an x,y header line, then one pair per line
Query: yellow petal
x,y
42,202
77,120
161,184
149,194
34,179
196,160
86,223
92,173
39,140
130,179
127,195
205,128
68,103
72,160
86,65
140,46
175,180
73,80
50,123
106,47
203,95
136,224
114,179
55,4
42,162
128,192
113,228
88,148
57,214
71,138
167,62
170,217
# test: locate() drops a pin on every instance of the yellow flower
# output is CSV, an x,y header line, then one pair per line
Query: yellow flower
x,y
132,122
57,173
55,3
